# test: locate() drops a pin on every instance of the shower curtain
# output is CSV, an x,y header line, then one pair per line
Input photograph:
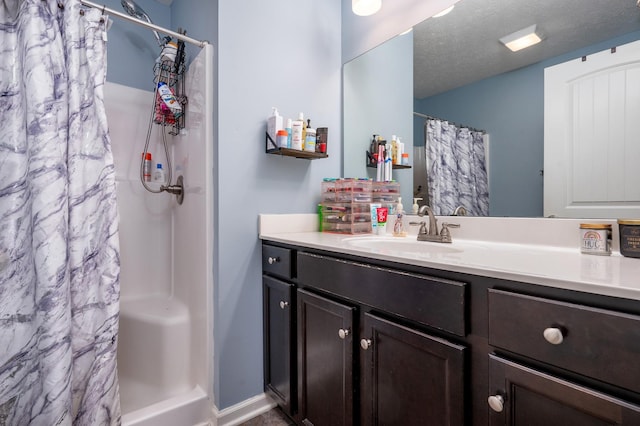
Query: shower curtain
x,y
59,254
456,171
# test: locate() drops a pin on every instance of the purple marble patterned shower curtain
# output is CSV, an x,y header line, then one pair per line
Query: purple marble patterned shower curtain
x,y
456,171
59,254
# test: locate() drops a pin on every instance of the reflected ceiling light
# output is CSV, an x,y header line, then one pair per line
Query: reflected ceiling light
x,y
521,39
365,7
444,12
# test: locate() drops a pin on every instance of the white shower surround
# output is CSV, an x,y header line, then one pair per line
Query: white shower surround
x,y
165,350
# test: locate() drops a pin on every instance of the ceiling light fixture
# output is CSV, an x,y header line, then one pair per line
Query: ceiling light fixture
x,y
365,7
447,10
521,39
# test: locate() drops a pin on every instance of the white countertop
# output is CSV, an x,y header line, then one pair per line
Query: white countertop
x,y
536,251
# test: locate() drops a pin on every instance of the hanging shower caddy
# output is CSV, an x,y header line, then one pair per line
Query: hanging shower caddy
x,y
169,69
172,74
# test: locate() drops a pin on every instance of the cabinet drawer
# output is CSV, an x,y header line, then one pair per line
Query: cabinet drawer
x,y
276,261
428,300
598,343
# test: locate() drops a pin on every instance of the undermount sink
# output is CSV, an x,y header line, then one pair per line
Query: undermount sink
x,y
400,245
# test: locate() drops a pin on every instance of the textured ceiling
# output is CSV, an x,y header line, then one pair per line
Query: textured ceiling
x,y
463,46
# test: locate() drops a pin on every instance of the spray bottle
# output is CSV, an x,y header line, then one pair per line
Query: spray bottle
x,y
146,167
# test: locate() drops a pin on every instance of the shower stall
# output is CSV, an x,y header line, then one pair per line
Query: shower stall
x,y
165,345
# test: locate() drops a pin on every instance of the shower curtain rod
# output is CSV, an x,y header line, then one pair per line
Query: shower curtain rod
x,y
199,43
429,117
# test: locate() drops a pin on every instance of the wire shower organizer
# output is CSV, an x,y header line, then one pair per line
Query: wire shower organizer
x,y
171,73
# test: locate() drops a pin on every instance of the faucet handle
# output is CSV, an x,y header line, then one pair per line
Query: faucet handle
x,y
423,226
445,235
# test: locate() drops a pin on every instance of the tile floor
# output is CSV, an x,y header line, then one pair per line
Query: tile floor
x,y
273,417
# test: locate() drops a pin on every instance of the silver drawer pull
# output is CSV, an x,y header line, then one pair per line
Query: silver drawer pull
x,y
343,333
365,344
553,335
283,304
496,402
273,260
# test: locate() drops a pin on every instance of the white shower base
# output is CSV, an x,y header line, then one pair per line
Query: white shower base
x,y
153,364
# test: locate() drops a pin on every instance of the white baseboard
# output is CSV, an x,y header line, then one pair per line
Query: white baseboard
x,y
243,411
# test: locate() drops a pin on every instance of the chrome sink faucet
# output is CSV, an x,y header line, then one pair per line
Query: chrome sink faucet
x,y
431,233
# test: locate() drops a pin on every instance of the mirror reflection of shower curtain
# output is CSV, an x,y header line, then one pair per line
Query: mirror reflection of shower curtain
x,y
456,169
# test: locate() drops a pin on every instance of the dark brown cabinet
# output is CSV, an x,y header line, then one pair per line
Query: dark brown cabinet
x,y
325,360
588,343
279,336
410,378
369,342
279,332
523,396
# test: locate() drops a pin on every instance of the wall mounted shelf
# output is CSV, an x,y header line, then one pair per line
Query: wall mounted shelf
x,y
375,165
272,148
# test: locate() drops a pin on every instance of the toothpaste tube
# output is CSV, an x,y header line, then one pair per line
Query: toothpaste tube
x,y
169,99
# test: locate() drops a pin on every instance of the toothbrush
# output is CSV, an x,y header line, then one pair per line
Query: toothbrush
x,y
387,166
380,162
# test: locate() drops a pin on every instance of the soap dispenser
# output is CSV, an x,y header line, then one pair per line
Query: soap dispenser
x,y
398,226
416,207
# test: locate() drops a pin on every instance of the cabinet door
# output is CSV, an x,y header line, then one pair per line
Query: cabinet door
x,y
410,378
279,367
523,396
325,361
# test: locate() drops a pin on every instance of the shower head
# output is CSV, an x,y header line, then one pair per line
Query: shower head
x,y
133,9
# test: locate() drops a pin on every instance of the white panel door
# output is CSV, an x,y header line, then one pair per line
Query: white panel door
x,y
591,135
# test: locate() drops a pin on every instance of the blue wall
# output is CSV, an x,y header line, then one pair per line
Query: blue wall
x,y
265,59
511,108
132,49
378,92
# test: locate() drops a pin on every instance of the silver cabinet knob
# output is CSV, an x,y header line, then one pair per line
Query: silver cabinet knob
x,y
283,304
273,260
365,344
496,402
553,335
343,333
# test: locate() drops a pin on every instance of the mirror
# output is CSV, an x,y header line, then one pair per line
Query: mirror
x,y
462,73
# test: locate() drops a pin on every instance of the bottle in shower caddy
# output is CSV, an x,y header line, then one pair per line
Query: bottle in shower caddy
x,y
169,99
158,174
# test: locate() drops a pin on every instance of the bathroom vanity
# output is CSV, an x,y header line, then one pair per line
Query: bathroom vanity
x,y
355,335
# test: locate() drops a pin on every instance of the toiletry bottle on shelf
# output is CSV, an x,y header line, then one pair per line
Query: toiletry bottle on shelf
x,y
398,226
415,206
304,130
296,134
405,159
274,123
288,129
310,141
146,167
394,150
281,138
158,174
